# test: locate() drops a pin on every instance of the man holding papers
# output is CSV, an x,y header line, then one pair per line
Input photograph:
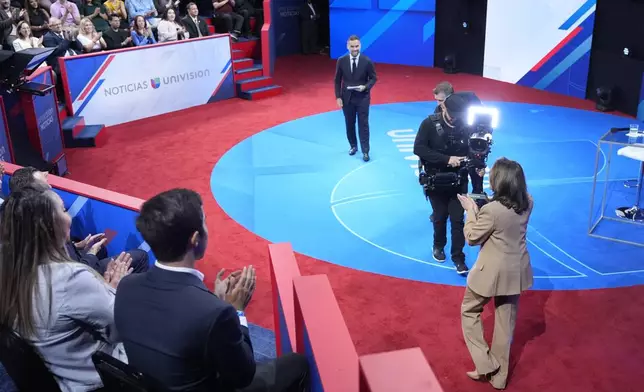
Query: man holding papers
x,y
355,75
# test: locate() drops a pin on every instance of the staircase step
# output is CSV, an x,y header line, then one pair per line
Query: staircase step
x,y
90,136
261,93
249,46
243,63
253,83
238,54
248,73
73,125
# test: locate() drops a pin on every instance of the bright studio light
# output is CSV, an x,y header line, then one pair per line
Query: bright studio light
x,y
474,111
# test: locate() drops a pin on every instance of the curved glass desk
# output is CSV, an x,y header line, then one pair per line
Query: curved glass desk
x,y
625,223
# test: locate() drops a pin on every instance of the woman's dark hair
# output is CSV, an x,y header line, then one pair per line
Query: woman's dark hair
x,y
168,221
135,23
176,20
507,180
29,239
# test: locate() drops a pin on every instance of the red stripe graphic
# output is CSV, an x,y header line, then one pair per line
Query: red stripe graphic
x,y
222,81
97,76
556,49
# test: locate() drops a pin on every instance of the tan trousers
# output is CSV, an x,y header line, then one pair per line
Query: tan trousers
x,y
485,359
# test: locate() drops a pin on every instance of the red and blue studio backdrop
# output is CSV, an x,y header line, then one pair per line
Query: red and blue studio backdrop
x,y
541,44
391,31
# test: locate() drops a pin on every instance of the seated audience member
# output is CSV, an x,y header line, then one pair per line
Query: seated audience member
x,y
84,251
246,9
89,38
194,23
117,7
9,16
37,17
144,8
179,332
67,12
164,5
96,13
25,40
115,37
171,29
142,33
234,22
65,310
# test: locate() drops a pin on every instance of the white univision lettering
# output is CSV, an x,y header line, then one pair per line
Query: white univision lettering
x,y
404,140
186,76
46,119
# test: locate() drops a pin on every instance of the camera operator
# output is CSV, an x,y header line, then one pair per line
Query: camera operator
x,y
441,92
442,146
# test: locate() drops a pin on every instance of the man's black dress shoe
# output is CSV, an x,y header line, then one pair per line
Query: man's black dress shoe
x,y
353,151
365,157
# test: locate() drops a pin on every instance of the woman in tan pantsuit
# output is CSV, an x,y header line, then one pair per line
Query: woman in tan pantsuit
x,y
501,272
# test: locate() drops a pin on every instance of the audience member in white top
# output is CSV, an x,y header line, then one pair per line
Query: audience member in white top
x,y
25,40
89,38
170,28
64,309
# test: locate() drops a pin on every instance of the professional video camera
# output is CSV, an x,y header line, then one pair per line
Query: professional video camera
x,y
481,122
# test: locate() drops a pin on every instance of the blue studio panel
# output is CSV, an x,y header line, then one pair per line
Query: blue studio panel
x,y
382,26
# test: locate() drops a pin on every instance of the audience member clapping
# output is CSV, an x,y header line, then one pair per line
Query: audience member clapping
x,y
37,17
117,7
25,40
9,17
178,331
67,12
89,38
115,37
64,309
95,12
141,32
144,8
87,250
170,28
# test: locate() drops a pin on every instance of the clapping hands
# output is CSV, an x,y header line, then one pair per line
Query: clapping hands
x,y
117,269
468,204
238,288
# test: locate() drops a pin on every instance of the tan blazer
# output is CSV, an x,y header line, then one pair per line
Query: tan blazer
x,y
503,266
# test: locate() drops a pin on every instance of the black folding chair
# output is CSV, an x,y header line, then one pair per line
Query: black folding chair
x,y
23,364
121,377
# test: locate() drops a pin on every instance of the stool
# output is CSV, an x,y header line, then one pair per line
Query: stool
x,y
634,212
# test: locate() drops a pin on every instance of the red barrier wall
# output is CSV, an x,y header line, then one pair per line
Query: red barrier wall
x,y
323,336
395,371
283,270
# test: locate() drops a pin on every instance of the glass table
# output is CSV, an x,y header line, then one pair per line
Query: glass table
x,y
628,222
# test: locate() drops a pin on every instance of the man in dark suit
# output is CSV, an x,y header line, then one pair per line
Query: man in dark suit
x,y
194,23
177,331
309,19
355,76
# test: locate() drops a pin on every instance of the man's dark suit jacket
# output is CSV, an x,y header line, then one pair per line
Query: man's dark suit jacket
x,y
365,75
51,40
6,23
177,331
194,30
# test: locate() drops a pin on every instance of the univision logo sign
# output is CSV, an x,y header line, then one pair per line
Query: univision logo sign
x,y
155,83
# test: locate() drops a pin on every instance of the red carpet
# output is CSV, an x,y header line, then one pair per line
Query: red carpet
x,y
576,341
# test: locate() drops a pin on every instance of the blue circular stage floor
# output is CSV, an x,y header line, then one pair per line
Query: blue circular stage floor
x,y
296,183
